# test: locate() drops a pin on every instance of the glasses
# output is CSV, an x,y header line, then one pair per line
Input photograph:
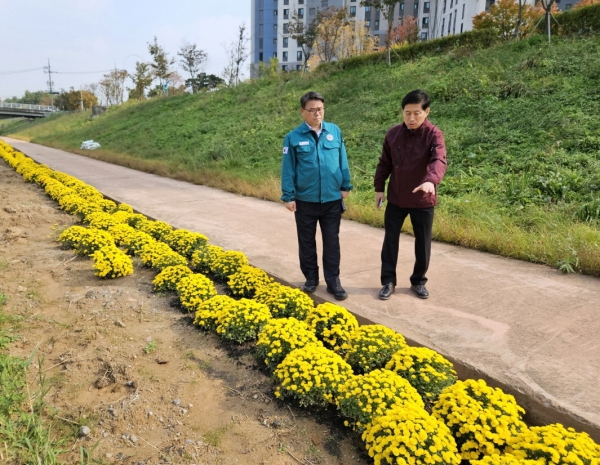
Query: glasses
x,y
314,111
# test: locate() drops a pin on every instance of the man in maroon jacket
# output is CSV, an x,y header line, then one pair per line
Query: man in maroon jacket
x,y
414,160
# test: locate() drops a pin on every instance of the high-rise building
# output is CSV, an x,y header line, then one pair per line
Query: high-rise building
x,y
263,39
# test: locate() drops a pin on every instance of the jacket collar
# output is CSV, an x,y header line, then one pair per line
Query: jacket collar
x,y
426,125
305,128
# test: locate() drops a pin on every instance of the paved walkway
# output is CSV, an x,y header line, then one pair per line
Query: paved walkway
x,y
525,327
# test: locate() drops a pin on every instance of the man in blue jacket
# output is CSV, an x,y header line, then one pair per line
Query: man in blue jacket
x,y
315,179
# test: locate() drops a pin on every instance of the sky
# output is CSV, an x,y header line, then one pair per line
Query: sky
x,y
99,35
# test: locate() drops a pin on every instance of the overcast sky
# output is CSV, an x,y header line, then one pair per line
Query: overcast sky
x,y
97,35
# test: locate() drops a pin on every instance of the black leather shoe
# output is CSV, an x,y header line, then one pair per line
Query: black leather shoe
x,y
338,292
386,291
420,290
310,285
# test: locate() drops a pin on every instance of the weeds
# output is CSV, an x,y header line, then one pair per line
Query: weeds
x,y
150,347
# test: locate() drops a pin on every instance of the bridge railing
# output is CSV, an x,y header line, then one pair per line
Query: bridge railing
x,y
25,106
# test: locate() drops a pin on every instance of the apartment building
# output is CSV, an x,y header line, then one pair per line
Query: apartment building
x,y
435,18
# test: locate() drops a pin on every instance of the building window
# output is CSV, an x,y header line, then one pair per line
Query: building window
x,y
274,54
274,12
286,14
301,13
284,67
450,23
463,12
368,23
285,42
367,9
298,67
352,11
568,6
425,23
416,8
275,27
312,11
426,7
299,56
377,24
260,43
423,36
443,24
300,2
461,27
286,2
261,29
444,6
284,56
260,56
275,41
451,2
286,28
401,6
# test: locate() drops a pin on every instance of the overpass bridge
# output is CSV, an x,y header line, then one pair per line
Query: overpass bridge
x,y
23,110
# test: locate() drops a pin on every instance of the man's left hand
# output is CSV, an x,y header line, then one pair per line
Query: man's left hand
x,y
345,194
426,187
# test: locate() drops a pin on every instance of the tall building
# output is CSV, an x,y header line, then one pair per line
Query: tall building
x,y
263,39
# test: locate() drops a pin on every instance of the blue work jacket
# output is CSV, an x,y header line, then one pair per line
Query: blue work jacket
x,y
314,170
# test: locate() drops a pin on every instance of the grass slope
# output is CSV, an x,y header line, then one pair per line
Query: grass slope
x,y
521,124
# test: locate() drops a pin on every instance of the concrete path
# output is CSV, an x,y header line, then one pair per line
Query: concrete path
x,y
524,327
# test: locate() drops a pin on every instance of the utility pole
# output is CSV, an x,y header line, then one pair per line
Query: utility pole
x,y
50,83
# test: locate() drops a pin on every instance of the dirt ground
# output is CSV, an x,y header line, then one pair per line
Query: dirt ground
x,y
122,361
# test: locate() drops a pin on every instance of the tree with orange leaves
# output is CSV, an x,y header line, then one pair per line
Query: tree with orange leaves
x,y
511,18
407,32
583,3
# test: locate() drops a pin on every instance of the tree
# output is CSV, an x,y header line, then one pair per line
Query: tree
x,y
112,86
355,40
73,100
176,84
192,61
329,30
583,3
269,70
305,36
407,32
237,54
142,79
387,8
30,98
161,66
511,18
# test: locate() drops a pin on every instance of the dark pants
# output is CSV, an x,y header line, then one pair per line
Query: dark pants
x,y
328,215
422,222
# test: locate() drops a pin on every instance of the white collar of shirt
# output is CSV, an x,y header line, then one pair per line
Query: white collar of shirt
x,y
319,131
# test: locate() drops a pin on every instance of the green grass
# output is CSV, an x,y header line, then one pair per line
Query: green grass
x,y
520,119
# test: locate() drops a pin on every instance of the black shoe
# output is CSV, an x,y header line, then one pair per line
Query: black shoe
x,y
386,291
338,292
310,285
420,290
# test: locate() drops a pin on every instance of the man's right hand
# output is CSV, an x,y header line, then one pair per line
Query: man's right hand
x,y
379,196
291,206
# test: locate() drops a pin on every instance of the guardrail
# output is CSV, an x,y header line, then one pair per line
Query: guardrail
x,y
25,106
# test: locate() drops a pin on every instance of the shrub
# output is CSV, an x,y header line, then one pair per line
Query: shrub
x,y
158,255
364,397
228,263
135,220
242,321
279,337
85,241
111,262
203,257
194,289
72,236
120,216
185,242
505,459
70,202
100,220
86,208
285,301
554,445
332,324
169,277
247,280
409,435
481,418
426,370
208,312
121,233
157,229
136,241
371,347
107,205
311,375
123,207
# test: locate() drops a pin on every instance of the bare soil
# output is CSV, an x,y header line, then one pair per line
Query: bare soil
x,y
123,361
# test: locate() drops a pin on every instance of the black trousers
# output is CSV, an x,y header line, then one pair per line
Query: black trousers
x,y
329,216
422,222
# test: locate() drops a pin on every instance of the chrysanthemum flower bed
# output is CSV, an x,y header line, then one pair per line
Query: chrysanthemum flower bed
x,y
323,361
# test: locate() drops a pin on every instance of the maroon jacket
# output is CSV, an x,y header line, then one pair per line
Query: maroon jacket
x,y
410,158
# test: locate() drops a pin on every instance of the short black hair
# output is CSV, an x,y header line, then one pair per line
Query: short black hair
x,y
311,96
417,96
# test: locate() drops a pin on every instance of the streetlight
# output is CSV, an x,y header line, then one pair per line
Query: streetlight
x,y
547,5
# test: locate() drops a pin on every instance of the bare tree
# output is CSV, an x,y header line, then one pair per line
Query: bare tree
x,y
331,23
387,8
237,54
192,61
305,36
112,86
